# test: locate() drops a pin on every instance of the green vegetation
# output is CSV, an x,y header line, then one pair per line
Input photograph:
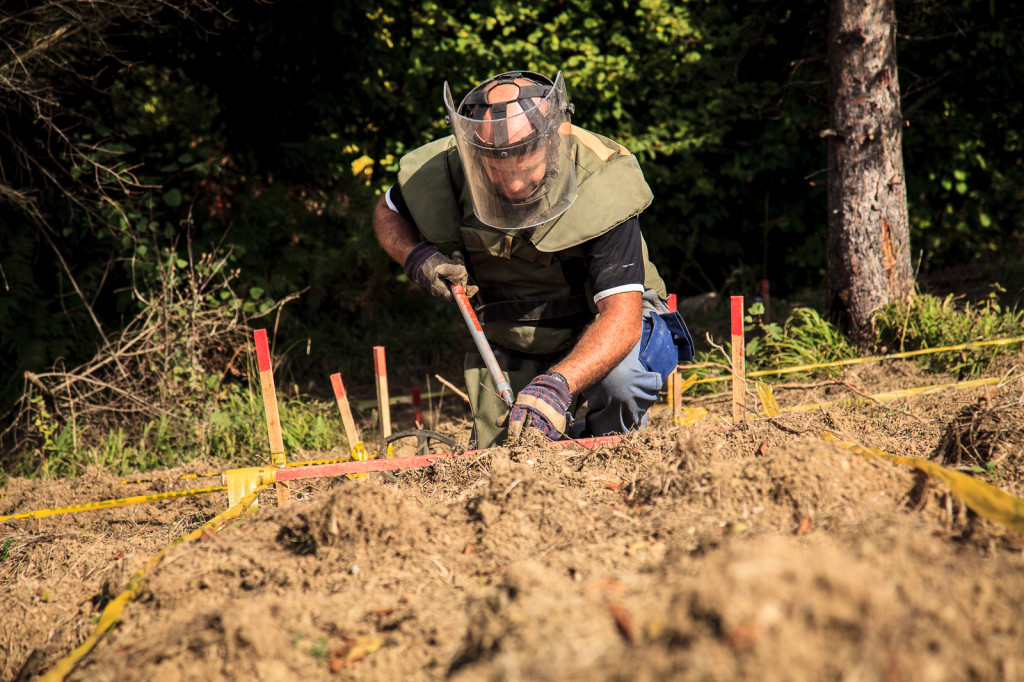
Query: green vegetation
x,y
151,217
804,339
930,322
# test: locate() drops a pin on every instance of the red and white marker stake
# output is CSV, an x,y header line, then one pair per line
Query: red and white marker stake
x,y
355,442
738,368
675,379
383,401
341,397
270,407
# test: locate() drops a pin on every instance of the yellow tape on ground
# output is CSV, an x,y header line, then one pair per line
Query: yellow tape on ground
x,y
767,396
211,474
983,498
691,415
894,395
177,478
115,606
858,361
108,504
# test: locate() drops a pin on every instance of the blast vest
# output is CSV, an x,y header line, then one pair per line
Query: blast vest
x,y
535,296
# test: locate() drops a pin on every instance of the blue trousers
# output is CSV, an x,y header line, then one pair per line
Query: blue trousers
x,y
619,402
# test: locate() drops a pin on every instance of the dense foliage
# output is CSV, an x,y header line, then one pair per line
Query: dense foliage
x,y
263,132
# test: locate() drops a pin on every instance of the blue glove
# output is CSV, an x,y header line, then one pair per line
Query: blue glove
x,y
433,271
544,405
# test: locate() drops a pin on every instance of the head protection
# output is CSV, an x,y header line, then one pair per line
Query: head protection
x,y
514,138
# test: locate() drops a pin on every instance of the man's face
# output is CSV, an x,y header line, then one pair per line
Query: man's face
x,y
518,177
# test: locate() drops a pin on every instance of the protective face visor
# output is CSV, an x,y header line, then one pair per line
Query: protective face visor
x,y
514,138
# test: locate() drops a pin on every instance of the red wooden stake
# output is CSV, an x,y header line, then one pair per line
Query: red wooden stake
x,y
675,379
270,407
738,369
383,401
349,424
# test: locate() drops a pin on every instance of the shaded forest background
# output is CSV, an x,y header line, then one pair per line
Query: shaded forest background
x,y
235,150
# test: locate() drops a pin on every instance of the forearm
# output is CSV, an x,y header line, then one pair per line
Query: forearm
x,y
396,235
604,343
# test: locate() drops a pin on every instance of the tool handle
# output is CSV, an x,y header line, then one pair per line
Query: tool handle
x,y
504,389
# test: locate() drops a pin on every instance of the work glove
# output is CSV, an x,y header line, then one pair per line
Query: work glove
x,y
544,405
434,271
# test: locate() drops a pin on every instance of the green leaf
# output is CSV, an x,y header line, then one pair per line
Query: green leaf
x,y
173,198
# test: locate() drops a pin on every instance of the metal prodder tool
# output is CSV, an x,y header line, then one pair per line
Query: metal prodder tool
x,y
504,389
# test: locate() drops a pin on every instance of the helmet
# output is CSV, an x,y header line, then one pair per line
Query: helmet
x,y
514,138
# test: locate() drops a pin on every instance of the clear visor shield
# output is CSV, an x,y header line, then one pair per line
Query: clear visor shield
x,y
518,159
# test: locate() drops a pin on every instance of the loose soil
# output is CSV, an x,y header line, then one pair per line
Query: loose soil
x,y
703,552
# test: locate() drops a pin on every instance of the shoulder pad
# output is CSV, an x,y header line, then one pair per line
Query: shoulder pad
x,y
428,177
612,189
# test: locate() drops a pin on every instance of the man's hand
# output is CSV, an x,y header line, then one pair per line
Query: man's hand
x,y
544,405
432,270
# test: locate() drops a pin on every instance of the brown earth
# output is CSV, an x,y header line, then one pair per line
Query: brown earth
x,y
703,552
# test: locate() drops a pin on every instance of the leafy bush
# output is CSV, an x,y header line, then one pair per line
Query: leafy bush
x,y
177,384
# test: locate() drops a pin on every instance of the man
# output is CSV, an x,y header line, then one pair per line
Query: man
x,y
546,215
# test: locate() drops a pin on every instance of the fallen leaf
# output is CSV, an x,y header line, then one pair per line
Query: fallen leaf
x,y
623,621
743,636
353,651
606,585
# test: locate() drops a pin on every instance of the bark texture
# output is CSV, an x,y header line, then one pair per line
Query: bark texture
x,y
868,233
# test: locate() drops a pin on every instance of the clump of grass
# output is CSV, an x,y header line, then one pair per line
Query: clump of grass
x,y
805,338
926,321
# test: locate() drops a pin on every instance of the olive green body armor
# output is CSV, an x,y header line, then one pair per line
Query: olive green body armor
x,y
535,297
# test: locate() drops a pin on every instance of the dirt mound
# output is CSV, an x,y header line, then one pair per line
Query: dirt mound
x,y
700,552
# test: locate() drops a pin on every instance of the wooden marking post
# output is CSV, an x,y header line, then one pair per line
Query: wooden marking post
x,y
383,401
355,442
738,369
675,383
270,407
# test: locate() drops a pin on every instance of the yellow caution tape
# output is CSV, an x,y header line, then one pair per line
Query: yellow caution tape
x,y
108,504
115,606
983,498
895,395
764,392
857,361
691,415
360,454
177,478
307,463
241,482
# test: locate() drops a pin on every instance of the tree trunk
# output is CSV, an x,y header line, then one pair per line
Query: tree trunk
x,y
868,234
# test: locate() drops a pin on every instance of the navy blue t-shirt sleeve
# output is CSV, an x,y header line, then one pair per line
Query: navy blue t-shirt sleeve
x,y
615,260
